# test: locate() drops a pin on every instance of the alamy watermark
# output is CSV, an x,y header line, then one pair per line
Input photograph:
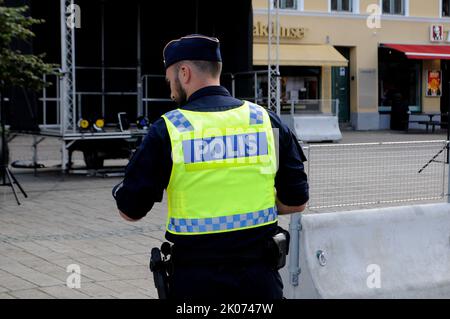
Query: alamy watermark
x,y
374,279
73,13
374,18
73,281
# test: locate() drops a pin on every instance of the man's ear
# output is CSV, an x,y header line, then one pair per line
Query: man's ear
x,y
185,73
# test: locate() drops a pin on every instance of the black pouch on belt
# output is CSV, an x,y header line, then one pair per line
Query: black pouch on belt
x,y
279,248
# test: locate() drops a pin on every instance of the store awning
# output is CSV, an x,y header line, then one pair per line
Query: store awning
x,y
422,52
301,55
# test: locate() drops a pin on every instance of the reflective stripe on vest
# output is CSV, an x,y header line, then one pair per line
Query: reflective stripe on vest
x,y
223,170
222,223
256,114
183,124
179,120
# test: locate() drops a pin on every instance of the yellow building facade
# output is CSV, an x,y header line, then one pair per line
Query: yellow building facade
x,y
353,48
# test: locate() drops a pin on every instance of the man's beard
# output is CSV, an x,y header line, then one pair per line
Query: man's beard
x,y
181,97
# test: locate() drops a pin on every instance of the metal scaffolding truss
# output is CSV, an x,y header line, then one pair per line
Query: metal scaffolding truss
x,y
68,83
273,71
70,99
68,93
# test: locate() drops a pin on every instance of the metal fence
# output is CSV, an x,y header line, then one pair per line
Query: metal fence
x,y
97,88
49,114
307,107
345,175
155,90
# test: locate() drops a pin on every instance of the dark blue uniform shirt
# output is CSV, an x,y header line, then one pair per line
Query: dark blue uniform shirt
x,y
148,172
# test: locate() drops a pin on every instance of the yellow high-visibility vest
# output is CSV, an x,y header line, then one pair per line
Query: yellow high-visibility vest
x,y
223,171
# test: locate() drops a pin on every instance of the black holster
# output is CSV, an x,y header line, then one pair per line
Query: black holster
x,y
278,248
161,267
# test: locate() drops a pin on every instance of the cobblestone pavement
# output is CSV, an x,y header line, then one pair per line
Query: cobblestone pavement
x,y
73,220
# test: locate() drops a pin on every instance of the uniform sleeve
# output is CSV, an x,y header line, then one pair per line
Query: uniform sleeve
x,y
291,181
147,174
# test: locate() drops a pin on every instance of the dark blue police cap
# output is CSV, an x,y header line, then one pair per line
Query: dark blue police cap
x,y
192,47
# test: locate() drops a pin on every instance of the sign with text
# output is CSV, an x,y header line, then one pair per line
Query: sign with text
x,y
262,30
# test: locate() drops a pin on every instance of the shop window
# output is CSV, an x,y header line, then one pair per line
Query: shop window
x,y
400,78
394,7
446,8
300,92
295,88
342,5
286,4
296,84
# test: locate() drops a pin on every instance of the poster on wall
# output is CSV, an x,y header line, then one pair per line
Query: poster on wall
x,y
434,83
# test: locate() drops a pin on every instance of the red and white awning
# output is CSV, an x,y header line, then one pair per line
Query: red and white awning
x,y
422,52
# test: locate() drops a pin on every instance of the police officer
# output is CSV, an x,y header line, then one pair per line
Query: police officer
x,y
216,156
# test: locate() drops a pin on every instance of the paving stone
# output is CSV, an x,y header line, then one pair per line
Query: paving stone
x,y
96,291
3,289
63,292
120,260
130,295
94,274
31,294
6,296
122,289
12,282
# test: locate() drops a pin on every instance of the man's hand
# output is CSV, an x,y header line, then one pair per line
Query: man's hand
x,y
129,219
284,209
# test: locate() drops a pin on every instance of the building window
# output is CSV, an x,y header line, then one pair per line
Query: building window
x,y
286,4
342,5
394,7
446,8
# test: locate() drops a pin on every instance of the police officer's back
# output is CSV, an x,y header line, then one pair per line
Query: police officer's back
x,y
216,156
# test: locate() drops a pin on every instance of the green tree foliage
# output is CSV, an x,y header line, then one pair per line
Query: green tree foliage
x,y
17,68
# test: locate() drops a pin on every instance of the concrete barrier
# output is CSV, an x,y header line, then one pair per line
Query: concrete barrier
x,y
314,128
400,252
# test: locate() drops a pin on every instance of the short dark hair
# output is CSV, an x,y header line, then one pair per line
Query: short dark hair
x,y
213,68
